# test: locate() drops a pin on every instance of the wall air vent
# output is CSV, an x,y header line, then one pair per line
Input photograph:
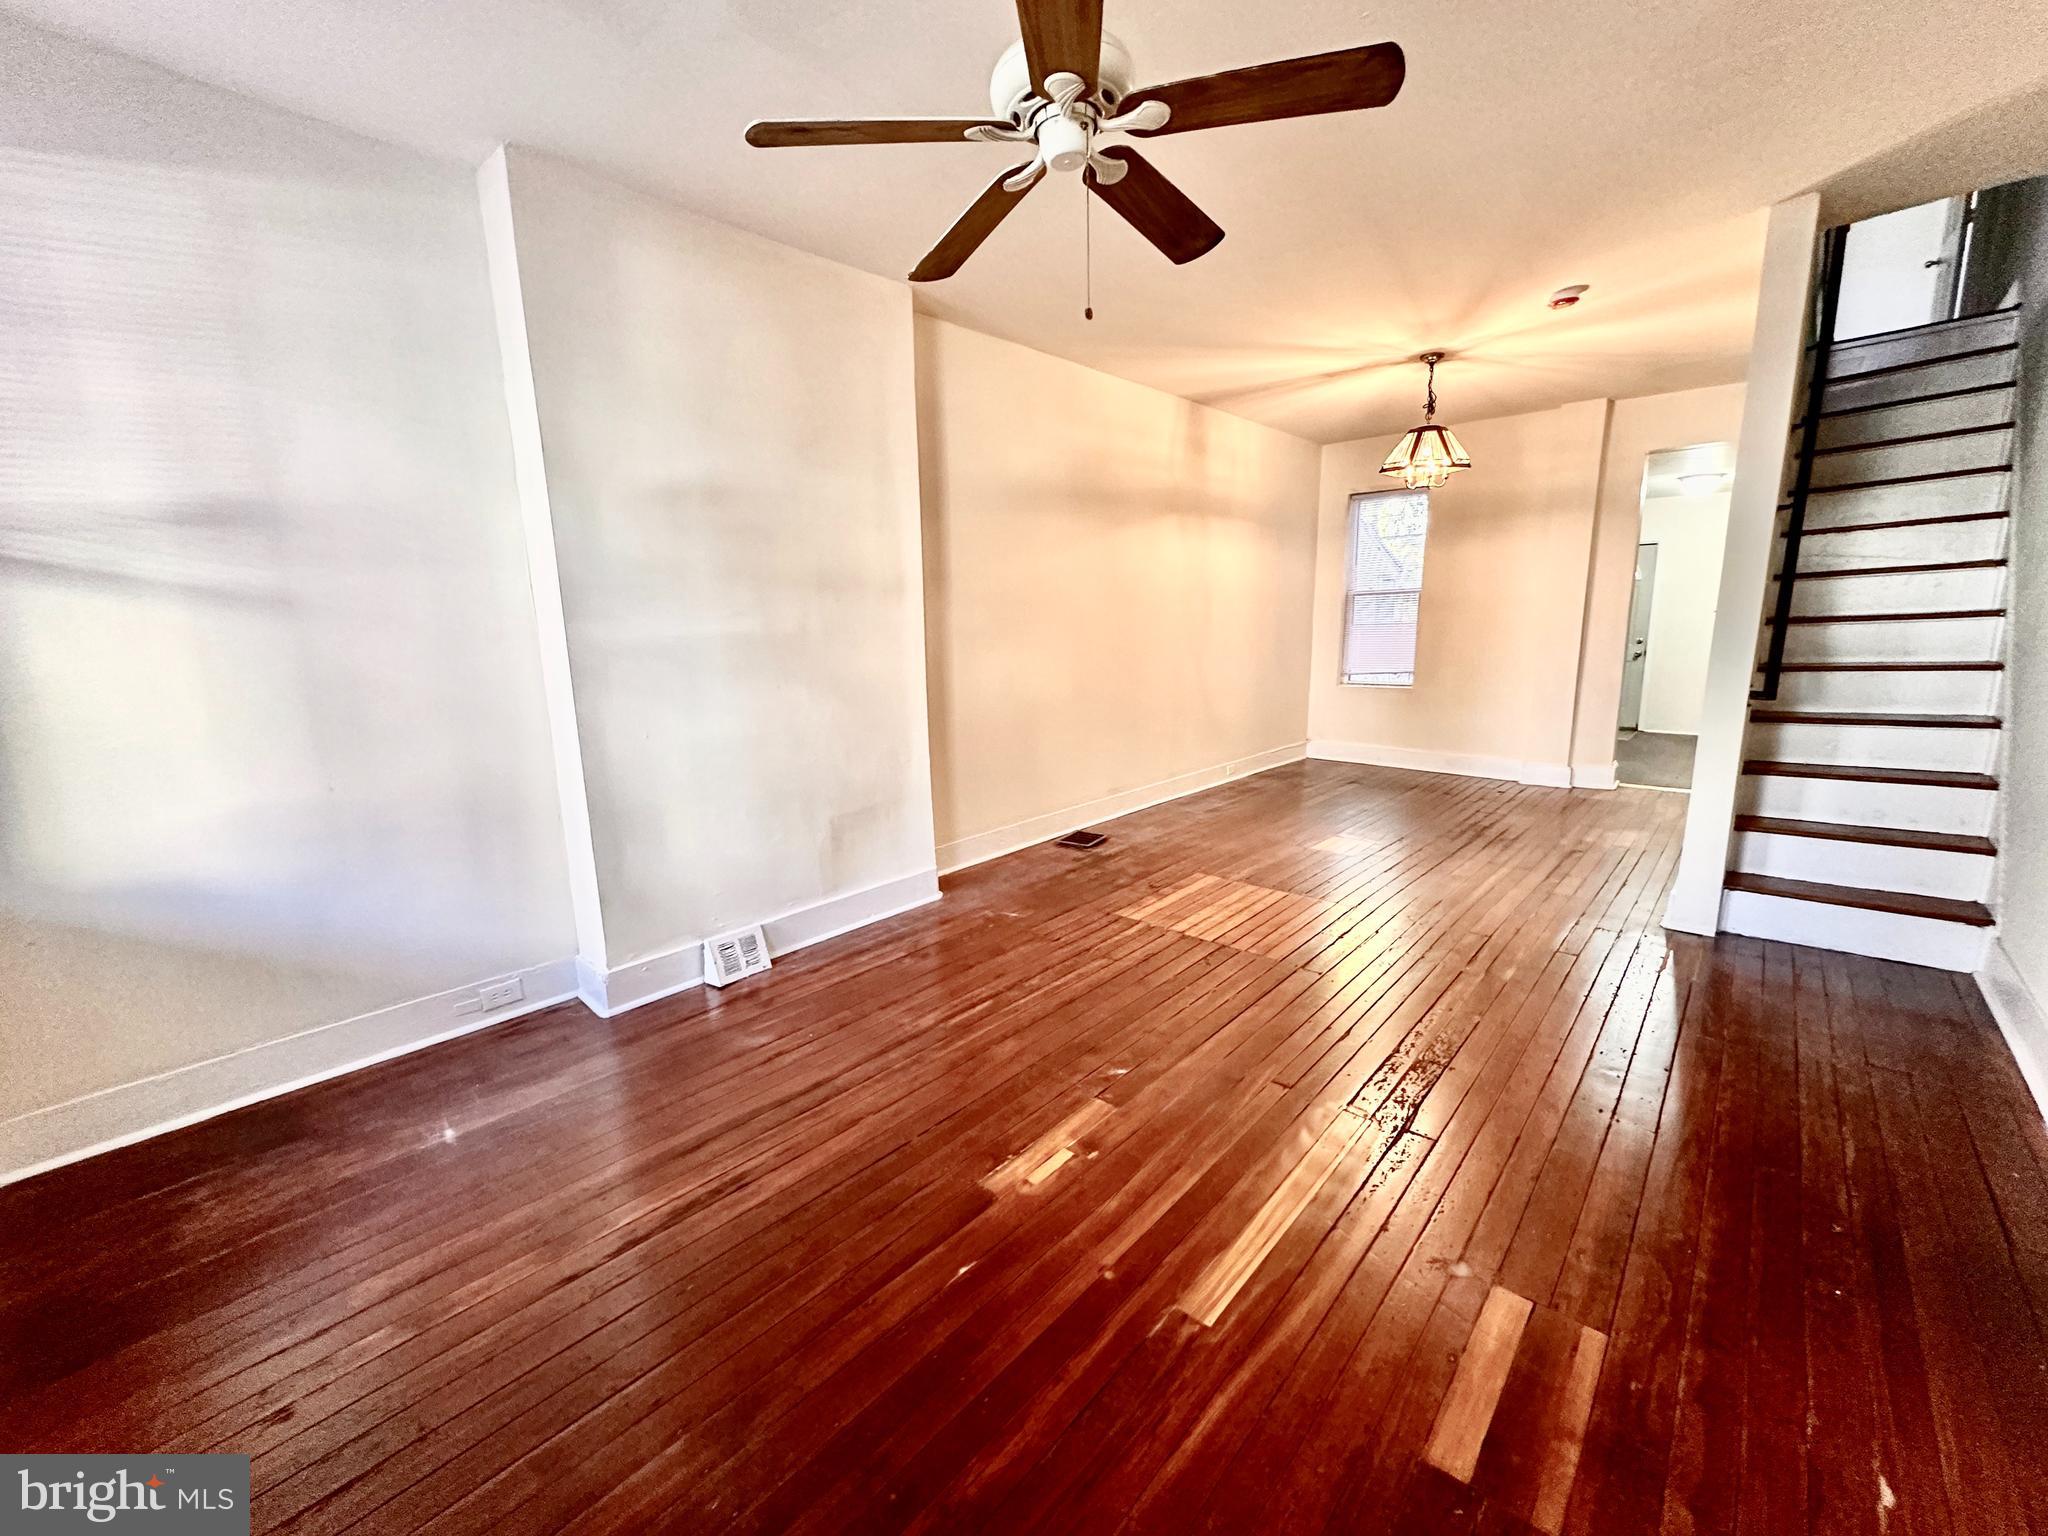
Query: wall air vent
x,y
732,955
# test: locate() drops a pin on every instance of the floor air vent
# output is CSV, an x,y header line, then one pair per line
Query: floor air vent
x,y
1082,839
732,955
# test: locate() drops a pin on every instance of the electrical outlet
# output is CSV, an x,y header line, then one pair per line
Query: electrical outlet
x,y
492,996
501,994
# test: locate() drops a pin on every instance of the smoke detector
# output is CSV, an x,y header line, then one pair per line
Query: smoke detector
x,y
1565,298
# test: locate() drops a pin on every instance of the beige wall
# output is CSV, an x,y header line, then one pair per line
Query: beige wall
x,y
272,743
1638,428
1525,591
730,460
1503,601
1116,584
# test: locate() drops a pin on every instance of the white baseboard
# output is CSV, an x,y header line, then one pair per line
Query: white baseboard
x,y
2020,1017
1691,911
610,993
115,1117
1471,765
1595,775
129,1112
983,846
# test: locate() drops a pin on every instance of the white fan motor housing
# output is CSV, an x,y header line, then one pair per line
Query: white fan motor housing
x,y
1009,88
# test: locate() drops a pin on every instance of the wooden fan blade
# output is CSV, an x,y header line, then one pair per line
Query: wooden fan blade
x,y
970,229
1061,35
1348,80
865,130
1156,208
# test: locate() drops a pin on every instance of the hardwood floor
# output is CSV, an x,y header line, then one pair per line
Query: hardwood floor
x,y
1340,1150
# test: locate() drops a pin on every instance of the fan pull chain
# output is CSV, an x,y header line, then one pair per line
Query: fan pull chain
x,y
1087,252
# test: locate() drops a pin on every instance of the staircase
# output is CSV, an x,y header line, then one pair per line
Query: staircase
x,y
1869,796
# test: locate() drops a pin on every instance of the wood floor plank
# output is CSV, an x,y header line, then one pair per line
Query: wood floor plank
x,y
1188,1184
1467,1411
1704,1471
1531,1455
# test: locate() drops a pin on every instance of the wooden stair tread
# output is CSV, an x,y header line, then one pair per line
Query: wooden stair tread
x,y
1928,399
1904,522
1942,908
1927,478
1936,778
1915,437
1889,837
1912,365
1893,666
1776,715
1924,328
1880,618
1928,569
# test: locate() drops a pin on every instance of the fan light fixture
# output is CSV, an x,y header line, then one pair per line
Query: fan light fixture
x,y
1066,85
1427,455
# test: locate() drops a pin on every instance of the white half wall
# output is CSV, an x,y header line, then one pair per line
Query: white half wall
x,y
1117,592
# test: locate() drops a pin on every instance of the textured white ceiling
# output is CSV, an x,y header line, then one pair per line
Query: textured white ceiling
x,y
1626,145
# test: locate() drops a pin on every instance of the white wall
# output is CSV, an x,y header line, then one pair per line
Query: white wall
x,y
2018,982
272,743
1117,587
1503,603
728,429
1689,532
1783,319
1886,281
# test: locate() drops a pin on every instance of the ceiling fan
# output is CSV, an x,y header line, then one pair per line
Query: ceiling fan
x,y
1066,85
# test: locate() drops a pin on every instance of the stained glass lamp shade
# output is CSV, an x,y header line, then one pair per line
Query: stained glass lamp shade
x,y
1427,455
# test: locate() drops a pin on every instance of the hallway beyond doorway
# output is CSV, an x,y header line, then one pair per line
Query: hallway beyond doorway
x,y
1654,759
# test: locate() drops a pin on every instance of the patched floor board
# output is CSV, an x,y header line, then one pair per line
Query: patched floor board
x,y
1210,1296
1467,1411
1531,1455
1256,918
1049,1153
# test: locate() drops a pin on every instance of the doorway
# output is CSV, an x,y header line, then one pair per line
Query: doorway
x,y
1684,522
1652,759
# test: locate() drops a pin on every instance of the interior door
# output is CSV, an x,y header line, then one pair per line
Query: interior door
x,y
1949,266
1635,659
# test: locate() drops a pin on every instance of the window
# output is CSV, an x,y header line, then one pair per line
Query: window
x,y
1384,587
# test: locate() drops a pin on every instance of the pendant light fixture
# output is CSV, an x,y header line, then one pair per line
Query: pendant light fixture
x,y
1427,455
